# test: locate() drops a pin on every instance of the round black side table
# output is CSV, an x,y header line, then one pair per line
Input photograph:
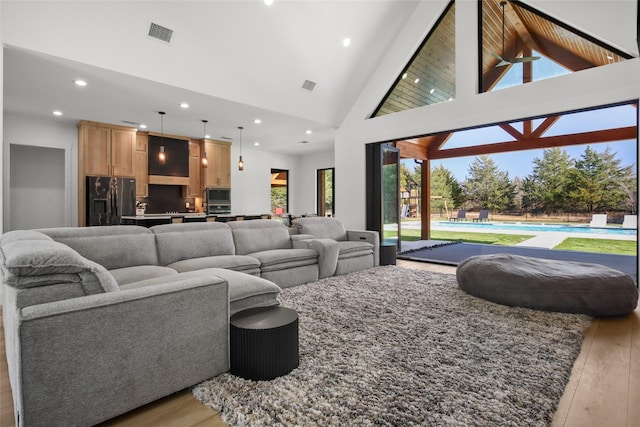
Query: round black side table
x,y
264,342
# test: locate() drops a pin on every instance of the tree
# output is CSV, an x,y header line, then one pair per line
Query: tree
x,y
597,183
487,187
547,186
444,184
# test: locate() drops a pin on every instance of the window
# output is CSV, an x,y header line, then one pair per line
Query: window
x,y
520,44
325,192
279,191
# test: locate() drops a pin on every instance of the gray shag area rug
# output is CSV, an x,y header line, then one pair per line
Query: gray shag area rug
x,y
392,346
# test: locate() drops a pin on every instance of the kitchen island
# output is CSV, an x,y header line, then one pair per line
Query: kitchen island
x,y
149,220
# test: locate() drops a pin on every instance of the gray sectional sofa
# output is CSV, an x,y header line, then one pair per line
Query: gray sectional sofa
x,y
101,320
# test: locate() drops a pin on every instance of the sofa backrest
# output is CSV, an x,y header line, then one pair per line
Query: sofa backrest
x,y
259,235
321,227
176,242
115,246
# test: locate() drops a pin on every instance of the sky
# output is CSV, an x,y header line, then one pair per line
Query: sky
x,y
520,163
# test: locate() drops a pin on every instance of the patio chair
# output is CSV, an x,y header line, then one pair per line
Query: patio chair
x,y
462,216
630,221
483,216
598,220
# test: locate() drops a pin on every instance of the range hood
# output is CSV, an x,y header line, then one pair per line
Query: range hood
x,y
175,170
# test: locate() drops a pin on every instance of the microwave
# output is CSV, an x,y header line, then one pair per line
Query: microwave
x,y
218,195
218,200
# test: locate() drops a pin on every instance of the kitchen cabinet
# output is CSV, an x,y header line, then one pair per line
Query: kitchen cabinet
x,y
194,189
141,164
103,150
218,174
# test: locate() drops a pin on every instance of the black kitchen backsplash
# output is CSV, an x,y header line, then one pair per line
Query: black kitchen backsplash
x,y
165,198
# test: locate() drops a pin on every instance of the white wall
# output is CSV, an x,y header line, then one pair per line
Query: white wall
x,y
24,130
1,124
597,86
307,176
251,188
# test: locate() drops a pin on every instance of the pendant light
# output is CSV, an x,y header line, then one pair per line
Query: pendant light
x,y
205,162
240,162
162,157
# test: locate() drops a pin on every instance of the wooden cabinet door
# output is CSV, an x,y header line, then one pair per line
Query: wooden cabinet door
x,y
209,175
141,165
96,151
123,149
193,189
224,164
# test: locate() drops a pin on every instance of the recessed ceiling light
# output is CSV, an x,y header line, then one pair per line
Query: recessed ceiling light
x,y
432,90
346,42
417,80
80,83
207,136
184,105
404,76
57,113
256,143
309,132
257,121
268,2
143,126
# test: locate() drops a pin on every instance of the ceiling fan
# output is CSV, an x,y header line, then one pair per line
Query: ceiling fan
x,y
502,61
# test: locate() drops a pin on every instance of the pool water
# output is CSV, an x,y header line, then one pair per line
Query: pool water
x,y
493,227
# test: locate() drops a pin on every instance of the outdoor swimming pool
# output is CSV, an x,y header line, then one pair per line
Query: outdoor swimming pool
x,y
496,227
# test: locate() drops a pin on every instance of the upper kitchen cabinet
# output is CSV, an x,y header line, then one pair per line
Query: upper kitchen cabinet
x,y
141,164
218,174
106,150
103,150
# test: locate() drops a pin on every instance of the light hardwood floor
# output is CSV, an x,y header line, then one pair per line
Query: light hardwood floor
x,y
604,388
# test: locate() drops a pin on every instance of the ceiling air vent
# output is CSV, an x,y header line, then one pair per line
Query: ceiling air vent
x,y
308,85
161,33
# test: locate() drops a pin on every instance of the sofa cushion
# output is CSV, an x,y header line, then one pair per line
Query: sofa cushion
x,y
321,227
16,235
42,262
24,258
280,259
244,263
126,275
184,241
113,247
259,235
245,290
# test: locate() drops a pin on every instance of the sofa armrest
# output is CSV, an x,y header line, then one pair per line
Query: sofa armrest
x,y
328,251
118,350
369,236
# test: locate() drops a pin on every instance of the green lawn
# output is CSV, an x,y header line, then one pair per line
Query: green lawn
x,y
603,246
486,238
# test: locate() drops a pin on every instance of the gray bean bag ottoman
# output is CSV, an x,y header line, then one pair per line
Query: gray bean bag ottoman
x,y
543,284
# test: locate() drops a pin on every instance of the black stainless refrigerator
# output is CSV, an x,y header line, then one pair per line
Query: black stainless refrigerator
x,y
109,198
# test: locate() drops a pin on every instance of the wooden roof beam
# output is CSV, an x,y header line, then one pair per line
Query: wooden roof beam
x,y
594,137
411,150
